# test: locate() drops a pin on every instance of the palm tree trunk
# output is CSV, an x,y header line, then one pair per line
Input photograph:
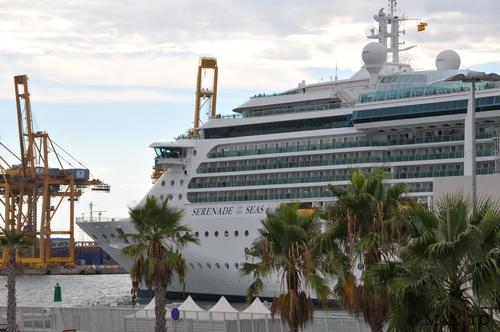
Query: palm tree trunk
x,y
11,291
160,303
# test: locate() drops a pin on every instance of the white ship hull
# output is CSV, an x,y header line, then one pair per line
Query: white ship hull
x,y
213,266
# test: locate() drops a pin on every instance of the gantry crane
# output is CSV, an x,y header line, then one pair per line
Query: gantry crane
x,y
205,94
32,191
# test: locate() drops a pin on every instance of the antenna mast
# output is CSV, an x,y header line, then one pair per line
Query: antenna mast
x,y
388,31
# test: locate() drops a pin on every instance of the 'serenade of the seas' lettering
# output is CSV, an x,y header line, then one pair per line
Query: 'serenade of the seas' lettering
x,y
228,210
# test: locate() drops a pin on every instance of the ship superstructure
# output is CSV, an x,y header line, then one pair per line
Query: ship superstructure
x,y
289,147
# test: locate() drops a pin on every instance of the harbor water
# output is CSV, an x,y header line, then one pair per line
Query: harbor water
x,y
38,290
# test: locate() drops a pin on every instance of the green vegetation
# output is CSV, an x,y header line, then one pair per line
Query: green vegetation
x,y
13,241
283,248
447,272
397,264
156,251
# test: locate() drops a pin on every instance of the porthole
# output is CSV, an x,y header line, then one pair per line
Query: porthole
x,y
95,237
226,233
236,265
163,183
197,234
180,196
206,234
247,251
172,182
216,234
217,265
209,266
226,265
182,182
195,153
199,265
104,236
246,233
191,265
170,197
112,235
236,233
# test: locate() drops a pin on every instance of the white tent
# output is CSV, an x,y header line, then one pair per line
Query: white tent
x,y
190,310
222,306
189,305
222,310
257,307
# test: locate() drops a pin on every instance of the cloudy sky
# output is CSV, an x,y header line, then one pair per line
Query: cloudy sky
x,y
109,77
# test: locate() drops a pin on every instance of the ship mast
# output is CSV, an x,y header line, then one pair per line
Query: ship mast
x,y
388,31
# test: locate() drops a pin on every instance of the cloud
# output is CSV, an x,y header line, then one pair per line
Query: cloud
x,y
128,50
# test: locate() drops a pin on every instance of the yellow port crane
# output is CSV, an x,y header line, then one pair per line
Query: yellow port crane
x,y
32,191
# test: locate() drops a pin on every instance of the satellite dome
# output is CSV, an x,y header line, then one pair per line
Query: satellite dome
x,y
374,54
447,60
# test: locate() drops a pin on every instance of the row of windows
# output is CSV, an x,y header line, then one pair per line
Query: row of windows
x,y
320,191
279,127
315,105
216,265
226,234
332,159
424,110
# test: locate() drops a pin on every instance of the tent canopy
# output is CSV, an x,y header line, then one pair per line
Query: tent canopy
x,y
189,305
257,307
222,306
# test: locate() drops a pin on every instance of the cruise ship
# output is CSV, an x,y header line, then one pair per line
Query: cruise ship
x,y
288,147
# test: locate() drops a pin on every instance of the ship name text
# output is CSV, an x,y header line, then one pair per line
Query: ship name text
x,y
228,210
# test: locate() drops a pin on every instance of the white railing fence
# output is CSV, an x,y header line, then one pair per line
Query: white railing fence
x,y
119,319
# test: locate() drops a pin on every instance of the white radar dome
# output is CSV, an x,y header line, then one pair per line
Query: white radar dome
x,y
447,60
374,54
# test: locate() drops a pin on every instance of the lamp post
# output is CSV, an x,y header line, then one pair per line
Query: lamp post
x,y
470,124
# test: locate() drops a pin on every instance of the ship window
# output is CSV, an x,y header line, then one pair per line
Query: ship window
x,y
195,152
95,237
182,182
206,234
104,236
200,266
197,234
112,235
226,265
217,265
246,233
226,233
191,265
209,266
236,266
161,197
180,196
216,234
172,182
236,233
163,183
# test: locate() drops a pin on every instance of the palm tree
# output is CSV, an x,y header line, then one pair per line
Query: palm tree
x,y
283,248
156,251
361,229
447,272
12,240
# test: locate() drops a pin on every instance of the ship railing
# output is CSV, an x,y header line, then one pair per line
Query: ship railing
x,y
345,145
94,219
344,161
